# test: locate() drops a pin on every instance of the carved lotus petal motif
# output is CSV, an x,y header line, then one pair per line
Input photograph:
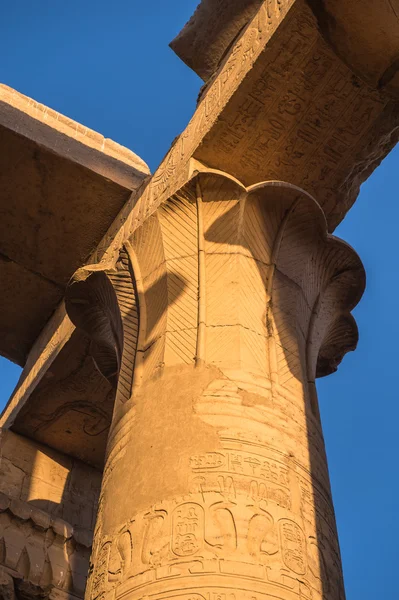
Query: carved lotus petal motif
x,y
313,279
326,269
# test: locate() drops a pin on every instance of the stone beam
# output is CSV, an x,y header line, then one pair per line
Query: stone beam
x,y
70,140
45,350
282,105
209,34
364,33
62,185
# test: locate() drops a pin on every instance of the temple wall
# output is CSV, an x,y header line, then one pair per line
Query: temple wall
x,y
48,505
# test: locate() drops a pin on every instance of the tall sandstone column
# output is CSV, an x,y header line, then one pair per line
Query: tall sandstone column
x,y
224,306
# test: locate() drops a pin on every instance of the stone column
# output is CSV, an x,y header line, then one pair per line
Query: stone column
x,y
216,484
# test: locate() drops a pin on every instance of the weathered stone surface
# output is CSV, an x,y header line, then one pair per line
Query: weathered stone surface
x,y
34,477
364,33
302,115
65,137
47,510
327,133
17,332
203,317
282,106
208,36
61,186
7,591
71,408
44,351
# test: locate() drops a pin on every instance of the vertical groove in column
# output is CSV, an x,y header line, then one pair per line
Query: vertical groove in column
x,y
141,309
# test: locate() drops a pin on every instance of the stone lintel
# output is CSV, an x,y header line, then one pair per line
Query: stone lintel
x,y
69,139
282,105
62,186
206,38
364,33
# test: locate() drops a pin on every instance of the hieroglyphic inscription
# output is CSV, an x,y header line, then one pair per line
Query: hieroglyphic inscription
x,y
172,172
258,477
176,541
298,116
293,546
241,59
242,462
241,592
187,529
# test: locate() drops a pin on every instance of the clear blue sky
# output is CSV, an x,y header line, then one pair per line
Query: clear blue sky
x,y
108,66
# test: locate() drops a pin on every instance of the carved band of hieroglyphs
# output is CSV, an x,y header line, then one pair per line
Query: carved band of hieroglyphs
x,y
214,535
237,471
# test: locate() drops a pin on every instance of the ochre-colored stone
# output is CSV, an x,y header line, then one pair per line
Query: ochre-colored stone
x,y
61,187
364,33
48,505
178,370
215,479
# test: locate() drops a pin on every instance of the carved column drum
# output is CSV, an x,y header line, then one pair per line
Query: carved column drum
x,y
223,308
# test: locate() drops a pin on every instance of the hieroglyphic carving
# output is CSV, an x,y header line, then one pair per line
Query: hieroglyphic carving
x,y
242,518
68,396
71,408
187,529
227,524
183,539
258,477
173,170
297,105
293,546
100,576
154,546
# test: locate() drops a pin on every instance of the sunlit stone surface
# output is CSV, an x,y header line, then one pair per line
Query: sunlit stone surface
x,y
172,391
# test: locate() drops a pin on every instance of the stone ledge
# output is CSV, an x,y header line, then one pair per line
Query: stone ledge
x,y
43,521
66,137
